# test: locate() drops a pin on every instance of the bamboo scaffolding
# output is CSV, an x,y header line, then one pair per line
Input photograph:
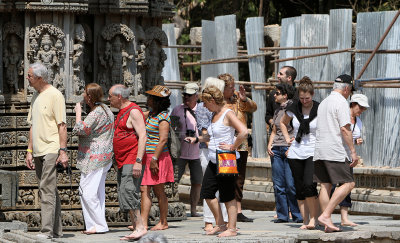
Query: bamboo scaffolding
x,y
241,58
188,64
190,46
311,55
292,48
378,45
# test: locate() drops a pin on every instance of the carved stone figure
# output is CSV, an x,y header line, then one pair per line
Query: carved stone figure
x,y
155,57
12,37
116,52
47,55
140,57
46,45
13,60
81,64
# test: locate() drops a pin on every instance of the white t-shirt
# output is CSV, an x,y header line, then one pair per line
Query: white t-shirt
x,y
333,113
305,148
356,129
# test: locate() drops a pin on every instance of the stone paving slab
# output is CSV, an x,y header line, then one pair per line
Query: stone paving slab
x,y
261,230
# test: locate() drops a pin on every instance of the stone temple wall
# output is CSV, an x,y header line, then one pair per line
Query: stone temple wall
x,y
80,41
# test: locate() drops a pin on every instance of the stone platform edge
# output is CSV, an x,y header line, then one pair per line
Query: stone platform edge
x,y
377,190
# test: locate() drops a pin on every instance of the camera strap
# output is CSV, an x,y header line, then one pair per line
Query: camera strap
x,y
192,113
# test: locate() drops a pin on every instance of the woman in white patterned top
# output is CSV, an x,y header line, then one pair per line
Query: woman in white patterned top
x,y
95,155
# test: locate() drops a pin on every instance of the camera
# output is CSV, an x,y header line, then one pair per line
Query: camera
x,y
60,169
190,133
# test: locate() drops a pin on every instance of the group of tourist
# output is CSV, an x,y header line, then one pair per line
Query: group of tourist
x,y
313,142
308,140
136,142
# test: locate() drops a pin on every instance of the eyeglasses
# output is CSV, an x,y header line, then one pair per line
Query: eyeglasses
x,y
278,93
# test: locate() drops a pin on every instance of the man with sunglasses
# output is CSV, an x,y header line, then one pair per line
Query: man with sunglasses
x,y
334,154
190,153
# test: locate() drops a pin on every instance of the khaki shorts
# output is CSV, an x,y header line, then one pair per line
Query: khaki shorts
x,y
128,188
333,172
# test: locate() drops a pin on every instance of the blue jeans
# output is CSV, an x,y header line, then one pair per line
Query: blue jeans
x,y
284,190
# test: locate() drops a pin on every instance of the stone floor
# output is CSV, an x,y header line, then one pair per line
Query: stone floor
x,y
370,229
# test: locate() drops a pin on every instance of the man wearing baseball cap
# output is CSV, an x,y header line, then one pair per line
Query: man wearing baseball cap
x,y
334,149
190,153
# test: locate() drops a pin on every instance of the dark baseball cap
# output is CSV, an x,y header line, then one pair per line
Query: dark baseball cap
x,y
345,78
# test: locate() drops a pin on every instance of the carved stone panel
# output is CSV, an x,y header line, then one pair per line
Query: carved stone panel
x,y
13,57
8,122
73,139
7,158
115,53
22,138
28,198
21,155
7,139
154,58
81,61
22,122
46,45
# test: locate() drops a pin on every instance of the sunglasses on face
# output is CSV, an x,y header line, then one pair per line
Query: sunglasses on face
x,y
278,93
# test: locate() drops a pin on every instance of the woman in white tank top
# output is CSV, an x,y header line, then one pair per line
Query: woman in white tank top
x,y
221,136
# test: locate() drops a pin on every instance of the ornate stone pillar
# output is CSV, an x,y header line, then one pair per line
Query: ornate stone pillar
x,y
109,42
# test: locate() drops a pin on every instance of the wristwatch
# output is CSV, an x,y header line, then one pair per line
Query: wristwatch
x,y
138,160
63,149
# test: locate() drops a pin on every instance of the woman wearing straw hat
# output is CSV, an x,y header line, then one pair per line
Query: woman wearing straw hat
x,y
157,161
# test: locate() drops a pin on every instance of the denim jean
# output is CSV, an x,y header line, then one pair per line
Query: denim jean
x,y
284,190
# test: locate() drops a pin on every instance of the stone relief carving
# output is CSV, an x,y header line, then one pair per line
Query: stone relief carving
x,y
7,139
116,52
22,138
154,57
7,158
140,56
46,45
13,56
81,61
22,122
26,197
7,122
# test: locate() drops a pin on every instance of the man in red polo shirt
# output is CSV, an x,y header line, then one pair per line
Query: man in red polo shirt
x,y
129,147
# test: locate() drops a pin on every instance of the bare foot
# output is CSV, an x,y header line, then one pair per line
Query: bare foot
x,y
311,224
329,226
275,216
135,235
130,227
228,233
208,226
303,227
348,223
216,229
160,226
332,230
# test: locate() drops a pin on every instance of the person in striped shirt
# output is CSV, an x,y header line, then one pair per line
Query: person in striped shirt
x,y
157,160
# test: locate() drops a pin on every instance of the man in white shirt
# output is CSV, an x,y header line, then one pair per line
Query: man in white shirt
x,y
334,154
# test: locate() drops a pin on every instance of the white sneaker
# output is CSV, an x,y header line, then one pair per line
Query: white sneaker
x,y
43,236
